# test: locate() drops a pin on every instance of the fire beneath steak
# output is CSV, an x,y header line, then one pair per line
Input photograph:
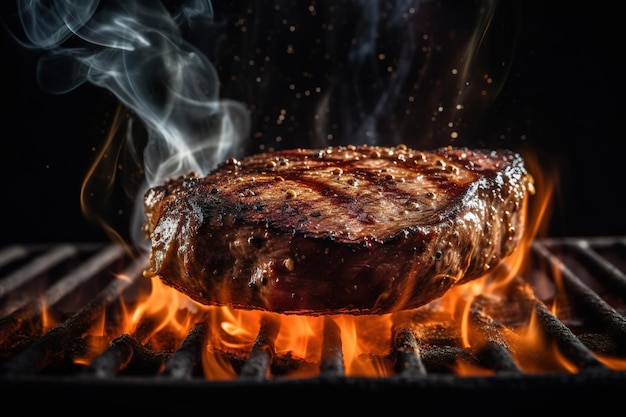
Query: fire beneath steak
x,y
350,230
80,322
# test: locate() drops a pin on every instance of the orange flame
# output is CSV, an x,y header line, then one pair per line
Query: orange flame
x,y
165,316
534,353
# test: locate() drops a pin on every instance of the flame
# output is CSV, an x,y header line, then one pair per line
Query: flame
x,y
162,317
534,353
614,363
100,182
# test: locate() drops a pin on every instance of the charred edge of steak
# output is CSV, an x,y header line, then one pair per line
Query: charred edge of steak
x,y
358,230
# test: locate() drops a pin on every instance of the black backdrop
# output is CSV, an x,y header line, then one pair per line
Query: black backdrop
x,y
564,92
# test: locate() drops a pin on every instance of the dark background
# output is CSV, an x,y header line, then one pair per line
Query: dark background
x,y
564,93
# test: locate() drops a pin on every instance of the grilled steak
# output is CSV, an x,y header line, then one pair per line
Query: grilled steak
x,y
358,230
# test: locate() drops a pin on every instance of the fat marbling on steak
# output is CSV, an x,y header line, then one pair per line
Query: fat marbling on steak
x,y
345,229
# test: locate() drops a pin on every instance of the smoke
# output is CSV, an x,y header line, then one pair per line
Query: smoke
x,y
136,50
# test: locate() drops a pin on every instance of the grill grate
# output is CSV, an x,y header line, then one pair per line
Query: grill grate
x,y
78,284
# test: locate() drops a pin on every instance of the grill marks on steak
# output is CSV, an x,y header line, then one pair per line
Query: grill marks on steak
x,y
359,230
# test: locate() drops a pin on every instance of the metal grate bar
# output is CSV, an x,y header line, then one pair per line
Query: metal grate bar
x,y
593,304
258,364
568,343
608,271
408,359
30,308
494,352
496,356
62,340
38,266
183,363
79,275
114,359
12,253
122,350
332,355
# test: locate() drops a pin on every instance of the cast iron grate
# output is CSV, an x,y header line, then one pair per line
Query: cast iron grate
x,y
78,283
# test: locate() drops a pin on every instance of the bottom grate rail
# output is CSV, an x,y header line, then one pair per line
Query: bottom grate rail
x,y
77,285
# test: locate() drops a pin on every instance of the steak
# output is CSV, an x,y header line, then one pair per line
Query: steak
x,y
345,229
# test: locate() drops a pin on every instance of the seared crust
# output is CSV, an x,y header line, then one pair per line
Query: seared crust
x,y
359,230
